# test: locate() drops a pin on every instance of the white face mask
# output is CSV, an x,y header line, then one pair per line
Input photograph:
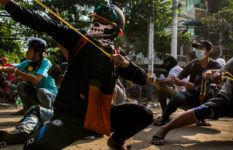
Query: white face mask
x,y
97,29
200,54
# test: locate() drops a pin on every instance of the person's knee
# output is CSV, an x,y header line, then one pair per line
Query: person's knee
x,y
202,112
44,98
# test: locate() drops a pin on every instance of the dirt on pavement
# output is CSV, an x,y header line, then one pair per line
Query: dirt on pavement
x,y
219,136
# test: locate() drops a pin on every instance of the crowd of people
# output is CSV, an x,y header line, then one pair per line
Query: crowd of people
x,y
86,95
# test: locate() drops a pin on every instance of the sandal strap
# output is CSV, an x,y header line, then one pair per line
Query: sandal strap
x,y
157,140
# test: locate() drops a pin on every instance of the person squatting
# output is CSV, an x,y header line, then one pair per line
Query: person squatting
x,y
87,87
218,106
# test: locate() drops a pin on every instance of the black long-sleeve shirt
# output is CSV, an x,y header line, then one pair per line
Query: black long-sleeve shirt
x,y
89,66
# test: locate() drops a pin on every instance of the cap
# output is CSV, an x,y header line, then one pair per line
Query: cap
x,y
203,44
221,61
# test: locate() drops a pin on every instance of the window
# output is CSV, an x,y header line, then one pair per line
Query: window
x,y
199,4
190,5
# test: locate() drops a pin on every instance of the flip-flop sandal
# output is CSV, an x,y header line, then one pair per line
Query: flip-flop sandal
x,y
203,123
157,140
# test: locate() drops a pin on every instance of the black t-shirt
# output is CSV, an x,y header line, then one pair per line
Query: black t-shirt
x,y
194,70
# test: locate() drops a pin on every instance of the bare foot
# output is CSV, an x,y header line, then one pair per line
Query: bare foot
x,y
158,138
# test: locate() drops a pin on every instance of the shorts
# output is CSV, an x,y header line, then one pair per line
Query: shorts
x,y
220,105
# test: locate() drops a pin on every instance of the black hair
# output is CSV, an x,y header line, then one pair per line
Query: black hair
x,y
169,62
39,45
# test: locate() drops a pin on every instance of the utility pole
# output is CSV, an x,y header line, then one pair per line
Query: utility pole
x,y
151,44
150,51
174,28
151,40
109,2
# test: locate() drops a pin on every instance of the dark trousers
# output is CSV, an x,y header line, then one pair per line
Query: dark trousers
x,y
31,96
28,95
187,99
126,121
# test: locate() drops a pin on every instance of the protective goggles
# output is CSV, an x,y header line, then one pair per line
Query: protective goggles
x,y
97,18
106,12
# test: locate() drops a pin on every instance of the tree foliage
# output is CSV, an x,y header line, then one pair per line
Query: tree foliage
x,y
137,13
220,23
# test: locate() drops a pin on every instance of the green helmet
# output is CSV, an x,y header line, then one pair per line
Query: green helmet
x,y
112,13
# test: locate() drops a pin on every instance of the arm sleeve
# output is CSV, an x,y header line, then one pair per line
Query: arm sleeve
x,y
173,72
60,33
22,66
133,73
44,68
186,71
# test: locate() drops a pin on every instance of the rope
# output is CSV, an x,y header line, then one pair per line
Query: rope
x,y
227,75
71,27
202,91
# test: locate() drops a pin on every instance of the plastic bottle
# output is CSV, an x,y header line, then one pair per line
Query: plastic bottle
x,y
19,103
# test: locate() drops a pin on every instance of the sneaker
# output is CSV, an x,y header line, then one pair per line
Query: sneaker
x,y
15,137
114,145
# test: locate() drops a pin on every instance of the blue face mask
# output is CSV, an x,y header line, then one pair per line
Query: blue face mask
x,y
200,54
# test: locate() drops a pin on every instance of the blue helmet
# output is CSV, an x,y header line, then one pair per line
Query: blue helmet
x,y
38,44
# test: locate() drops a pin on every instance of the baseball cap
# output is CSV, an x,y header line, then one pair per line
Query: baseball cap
x,y
203,44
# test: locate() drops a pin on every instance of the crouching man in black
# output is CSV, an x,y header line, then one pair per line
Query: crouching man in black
x,y
83,104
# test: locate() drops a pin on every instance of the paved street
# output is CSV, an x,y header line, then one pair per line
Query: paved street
x,y
217,137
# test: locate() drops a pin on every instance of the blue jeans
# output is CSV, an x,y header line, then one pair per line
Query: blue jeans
x,y
45,98
39,106
34,116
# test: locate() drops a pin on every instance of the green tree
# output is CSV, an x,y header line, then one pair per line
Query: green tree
x,y
10,44
220,24
137,13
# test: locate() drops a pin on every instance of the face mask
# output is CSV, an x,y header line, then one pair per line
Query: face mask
x,y
97,29
200,54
